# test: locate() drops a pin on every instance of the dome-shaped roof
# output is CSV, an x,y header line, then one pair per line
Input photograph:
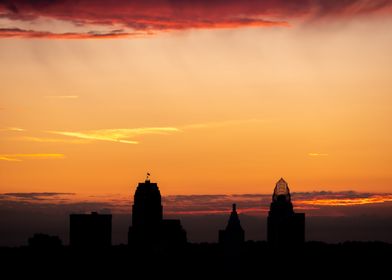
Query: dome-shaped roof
x,y
281,190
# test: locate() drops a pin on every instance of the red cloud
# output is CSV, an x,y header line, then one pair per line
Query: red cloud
x,y
150,16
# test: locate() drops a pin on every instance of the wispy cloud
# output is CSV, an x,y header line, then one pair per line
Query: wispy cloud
x,y
117,135
35,34
16,129
259,203
53,140
127,135
347,201
121,135
221,123
62,96
317,154
21,157
37,195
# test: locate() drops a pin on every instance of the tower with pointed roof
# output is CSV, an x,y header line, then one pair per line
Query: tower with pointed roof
x,y
233,234
284,226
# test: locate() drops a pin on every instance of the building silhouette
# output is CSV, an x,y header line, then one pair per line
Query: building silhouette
x,y
233,234
90,230
172,234
44,241
146,214
284,226
149,229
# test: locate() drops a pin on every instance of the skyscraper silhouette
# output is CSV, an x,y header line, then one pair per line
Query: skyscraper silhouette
x,y
285,227
233,234
146,214
148,226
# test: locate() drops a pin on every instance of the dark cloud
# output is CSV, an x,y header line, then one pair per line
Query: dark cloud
x,y
11,7
150,16
34,195
259,203
23,33
314,202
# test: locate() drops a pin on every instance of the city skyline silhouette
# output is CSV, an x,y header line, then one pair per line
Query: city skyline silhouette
x,y
204,225
154,243
258,225
149,228
195,138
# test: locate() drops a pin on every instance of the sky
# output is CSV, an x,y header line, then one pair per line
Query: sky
x,y
210,97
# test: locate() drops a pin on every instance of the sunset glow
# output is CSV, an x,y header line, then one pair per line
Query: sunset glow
x,y
198,205
348,202
210,97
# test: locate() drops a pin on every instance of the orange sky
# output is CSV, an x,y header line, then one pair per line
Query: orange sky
x,y
204,111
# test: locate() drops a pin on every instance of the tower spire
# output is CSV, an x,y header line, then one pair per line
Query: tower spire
x,y
233,234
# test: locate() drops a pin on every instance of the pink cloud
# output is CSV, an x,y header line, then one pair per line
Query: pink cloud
x,y
151,16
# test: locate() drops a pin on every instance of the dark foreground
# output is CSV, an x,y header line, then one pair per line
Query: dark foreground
x,y
252,261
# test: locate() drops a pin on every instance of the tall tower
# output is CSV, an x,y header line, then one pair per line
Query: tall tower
x,y
233,234
285,227
149,229
147,205
146,214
